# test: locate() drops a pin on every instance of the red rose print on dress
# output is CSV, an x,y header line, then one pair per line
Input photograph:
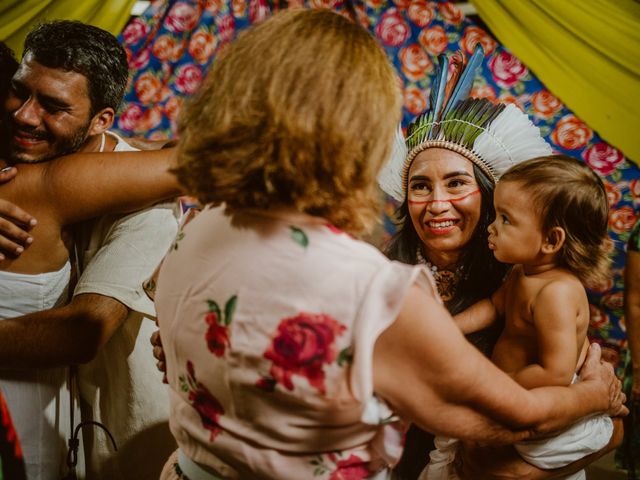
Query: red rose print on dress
x,y
207,406
217,335
603,158
302,345
506,69
392,29
350,468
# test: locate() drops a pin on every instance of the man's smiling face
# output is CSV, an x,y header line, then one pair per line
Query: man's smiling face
x,y
48,112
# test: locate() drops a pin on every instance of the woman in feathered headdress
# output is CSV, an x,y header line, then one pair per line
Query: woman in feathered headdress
x,y
444,174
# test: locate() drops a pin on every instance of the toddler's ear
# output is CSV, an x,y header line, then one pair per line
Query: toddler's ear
x,y
554,240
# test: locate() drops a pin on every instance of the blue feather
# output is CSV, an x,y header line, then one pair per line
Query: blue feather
x,y
465,82
436,96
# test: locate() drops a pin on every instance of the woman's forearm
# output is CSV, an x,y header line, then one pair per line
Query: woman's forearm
x,y
426,369
482,462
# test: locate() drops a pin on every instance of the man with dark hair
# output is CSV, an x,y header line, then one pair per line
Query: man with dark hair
x,y
66,91
63,99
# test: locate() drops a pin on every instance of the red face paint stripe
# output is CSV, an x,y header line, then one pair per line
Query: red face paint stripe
x,y
451,200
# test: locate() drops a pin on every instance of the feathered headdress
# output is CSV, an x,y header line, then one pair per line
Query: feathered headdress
x,y
492,136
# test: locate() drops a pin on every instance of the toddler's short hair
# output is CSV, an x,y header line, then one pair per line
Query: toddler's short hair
x,y
568,194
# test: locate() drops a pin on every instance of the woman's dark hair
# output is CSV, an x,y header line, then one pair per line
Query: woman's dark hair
x,y
8,66
483,274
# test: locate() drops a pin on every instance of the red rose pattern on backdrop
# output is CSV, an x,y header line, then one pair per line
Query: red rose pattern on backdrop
x,y
172,44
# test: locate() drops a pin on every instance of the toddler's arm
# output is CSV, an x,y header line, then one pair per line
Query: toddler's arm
x,y
482,314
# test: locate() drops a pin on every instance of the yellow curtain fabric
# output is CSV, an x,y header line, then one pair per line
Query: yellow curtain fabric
x,y
18,17
586,52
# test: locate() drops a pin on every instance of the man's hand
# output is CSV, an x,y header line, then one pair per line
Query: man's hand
x,y
597,371
158,353
15,223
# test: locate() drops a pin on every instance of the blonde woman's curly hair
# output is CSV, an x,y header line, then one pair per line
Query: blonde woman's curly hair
x,y
300,112
568,194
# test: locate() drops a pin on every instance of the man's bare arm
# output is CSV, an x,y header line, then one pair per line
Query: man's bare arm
x,y
60,336
81,186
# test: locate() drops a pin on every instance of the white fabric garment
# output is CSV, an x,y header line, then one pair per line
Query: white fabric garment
x,y
38,399
579,440
121,387
583,438
441,460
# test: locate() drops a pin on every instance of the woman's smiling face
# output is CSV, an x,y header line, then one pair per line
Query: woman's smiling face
x,y
444,203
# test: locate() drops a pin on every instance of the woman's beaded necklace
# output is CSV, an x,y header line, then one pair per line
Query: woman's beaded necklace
x,y
446,280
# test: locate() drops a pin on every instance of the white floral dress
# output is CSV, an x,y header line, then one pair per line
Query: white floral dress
x,y
268,322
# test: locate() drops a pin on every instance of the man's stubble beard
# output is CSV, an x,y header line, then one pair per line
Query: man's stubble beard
x,y
65,146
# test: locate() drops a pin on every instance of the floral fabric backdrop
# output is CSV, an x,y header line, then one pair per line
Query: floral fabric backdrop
x,y
171,45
